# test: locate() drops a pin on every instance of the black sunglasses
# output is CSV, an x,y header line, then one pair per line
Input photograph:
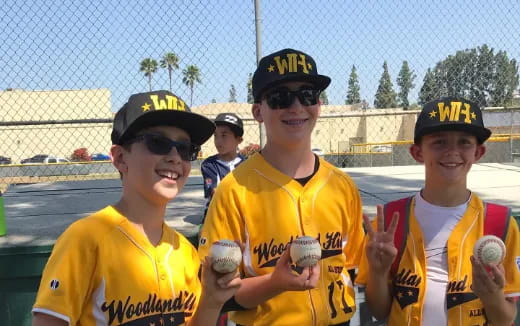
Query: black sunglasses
x,y
161,145
282,98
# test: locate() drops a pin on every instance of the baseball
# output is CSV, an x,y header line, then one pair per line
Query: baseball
x,y
225,256
305,251
489,249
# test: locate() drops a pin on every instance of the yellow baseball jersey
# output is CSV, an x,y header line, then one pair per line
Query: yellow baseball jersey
x,y
103,271
265,209
463,307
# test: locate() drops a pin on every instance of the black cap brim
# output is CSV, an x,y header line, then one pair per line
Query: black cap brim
x,y
198,127
481,133
320,81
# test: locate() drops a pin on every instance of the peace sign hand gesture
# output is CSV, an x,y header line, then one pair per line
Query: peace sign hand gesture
x,y
380,248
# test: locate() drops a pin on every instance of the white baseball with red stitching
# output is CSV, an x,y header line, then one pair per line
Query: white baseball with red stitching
x,y
225,256
305,251
489,249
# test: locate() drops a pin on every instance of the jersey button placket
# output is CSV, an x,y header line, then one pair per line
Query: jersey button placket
x,y
304,213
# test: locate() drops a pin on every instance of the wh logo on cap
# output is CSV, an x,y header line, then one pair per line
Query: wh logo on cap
x,y
168,103
453,112
292,63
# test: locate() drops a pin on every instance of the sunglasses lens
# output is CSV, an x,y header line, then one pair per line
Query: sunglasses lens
x,y
282,99
160,145
308,97
275,99
184,150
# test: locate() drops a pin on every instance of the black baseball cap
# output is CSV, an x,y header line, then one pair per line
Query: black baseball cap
x,y
159,108
451,113
231,120
284,66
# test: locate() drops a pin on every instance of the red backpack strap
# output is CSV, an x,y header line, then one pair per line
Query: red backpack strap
x,y
402,206
496,220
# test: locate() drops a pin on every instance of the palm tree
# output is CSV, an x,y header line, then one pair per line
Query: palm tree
x,y
149,67
191,75
170,61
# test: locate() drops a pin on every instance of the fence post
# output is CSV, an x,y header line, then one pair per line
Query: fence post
x,y
3,227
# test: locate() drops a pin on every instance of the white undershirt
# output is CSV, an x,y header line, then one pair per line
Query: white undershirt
x,y
436,223
230,164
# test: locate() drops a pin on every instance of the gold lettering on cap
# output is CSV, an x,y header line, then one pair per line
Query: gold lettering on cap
x,y
467,113
292,63
169,103
454,110
444,111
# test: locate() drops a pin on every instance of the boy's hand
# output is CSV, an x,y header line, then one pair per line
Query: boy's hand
x,y
380,248
218,288
488,280
284,278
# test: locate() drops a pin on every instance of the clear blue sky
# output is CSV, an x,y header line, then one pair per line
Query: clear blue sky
x,y
51,45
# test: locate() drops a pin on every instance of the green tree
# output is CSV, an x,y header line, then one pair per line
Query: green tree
x,y
385,95
149,67
170,61
232,94
427,92
250,98
477,74
405,82
353,96
323,98
191,75
506,80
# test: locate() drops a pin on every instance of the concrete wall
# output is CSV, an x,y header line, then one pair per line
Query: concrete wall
x,y
338,130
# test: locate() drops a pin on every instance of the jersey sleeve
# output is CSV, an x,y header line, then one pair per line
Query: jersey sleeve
x,y
67,276
209,178
355,233
512,260
223,220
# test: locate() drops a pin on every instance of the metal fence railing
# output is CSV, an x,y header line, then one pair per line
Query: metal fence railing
x,y
68,66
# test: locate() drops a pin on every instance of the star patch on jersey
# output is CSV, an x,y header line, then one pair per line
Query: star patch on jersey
x,y
208,181
55,284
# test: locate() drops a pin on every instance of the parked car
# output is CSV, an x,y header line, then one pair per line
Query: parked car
x,y
100,157
5,160
52,159
382,148
35,159
45,159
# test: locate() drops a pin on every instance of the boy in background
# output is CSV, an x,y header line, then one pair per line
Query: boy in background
x,y
227,137
434,279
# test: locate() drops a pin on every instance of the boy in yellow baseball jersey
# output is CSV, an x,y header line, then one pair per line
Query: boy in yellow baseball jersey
x,y
123,265
436,280
283,192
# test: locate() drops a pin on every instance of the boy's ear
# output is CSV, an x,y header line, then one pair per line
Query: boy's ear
x,y
240,140
479,152
416,152
255,110
118,159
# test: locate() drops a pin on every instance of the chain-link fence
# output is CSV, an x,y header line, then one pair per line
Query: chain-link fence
x,y
66,67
